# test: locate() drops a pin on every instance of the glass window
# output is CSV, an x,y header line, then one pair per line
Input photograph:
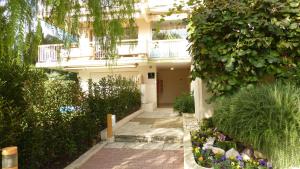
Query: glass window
x,y
169,30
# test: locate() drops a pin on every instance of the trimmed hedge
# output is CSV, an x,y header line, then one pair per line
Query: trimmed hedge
x,y
113,94
50,119
266,117
31,117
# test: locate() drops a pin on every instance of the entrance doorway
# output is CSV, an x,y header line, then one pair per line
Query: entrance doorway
x,y
171,83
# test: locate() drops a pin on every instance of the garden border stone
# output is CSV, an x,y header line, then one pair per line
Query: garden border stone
x,y
190,123
86,156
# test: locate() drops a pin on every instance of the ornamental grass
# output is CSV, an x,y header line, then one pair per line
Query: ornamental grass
x,y
266,117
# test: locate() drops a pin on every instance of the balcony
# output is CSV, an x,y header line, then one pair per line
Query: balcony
x,y
162,6
56,53
129,51
168,49
127,48
50,53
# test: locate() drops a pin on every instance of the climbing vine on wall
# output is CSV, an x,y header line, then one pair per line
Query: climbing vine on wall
x,y
239,43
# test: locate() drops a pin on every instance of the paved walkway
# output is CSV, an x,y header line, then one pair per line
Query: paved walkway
x,y
163,152
162,125
114,158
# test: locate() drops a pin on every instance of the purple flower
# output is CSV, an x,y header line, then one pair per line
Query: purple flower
x,y
223,158
239,158
262,162
221,137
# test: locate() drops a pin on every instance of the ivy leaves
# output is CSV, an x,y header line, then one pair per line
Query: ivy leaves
x,y
237,43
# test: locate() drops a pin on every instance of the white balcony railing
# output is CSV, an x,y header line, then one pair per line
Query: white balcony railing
x,y
125,48
128,47
50,53
159,3
56,52
158,49
164,5
176,48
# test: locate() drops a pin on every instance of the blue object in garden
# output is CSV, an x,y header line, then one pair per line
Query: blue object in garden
x,y
66,109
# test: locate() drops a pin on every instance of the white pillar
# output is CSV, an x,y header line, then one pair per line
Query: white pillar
x,y
148,88
202,108
144,35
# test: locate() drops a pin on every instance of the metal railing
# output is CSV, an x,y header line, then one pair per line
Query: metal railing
x,y
164,4
176,48
124,48
49,53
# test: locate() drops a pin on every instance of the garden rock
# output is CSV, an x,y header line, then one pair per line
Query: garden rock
x,y
217,150
207,147
209,143
245,157
248,152
232,153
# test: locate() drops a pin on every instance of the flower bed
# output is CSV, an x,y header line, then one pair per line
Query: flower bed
x,y
213,149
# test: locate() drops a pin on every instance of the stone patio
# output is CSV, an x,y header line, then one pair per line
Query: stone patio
x,y
162,125
152,140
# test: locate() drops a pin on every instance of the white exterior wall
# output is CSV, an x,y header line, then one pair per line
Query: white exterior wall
x,y
144,35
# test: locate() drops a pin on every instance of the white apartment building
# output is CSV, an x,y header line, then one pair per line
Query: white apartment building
x,y
157,60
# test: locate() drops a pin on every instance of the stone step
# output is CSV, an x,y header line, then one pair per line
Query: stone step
x,y
148,139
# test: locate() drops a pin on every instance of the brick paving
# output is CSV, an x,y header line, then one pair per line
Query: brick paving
x,y
124,158
131,153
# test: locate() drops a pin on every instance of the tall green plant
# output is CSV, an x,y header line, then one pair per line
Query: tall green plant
x,y
184,103
238,43
266,117
33,40
108,19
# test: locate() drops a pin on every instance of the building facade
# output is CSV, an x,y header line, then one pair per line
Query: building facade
x,y
156,56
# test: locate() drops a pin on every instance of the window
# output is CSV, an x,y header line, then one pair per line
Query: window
x,y
130,33
169,30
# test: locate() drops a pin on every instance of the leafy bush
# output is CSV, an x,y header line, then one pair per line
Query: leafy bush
x,y
30,117
238,43
266,117
184,104
113,94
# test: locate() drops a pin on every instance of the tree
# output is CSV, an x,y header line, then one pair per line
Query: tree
x,y
107,17
33,40
239,43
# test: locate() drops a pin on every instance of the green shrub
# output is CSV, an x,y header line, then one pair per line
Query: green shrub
x,y
184,104
266,117
236,43
31,117
113,94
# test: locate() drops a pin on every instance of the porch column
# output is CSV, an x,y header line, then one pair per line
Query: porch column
x,y
202,108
